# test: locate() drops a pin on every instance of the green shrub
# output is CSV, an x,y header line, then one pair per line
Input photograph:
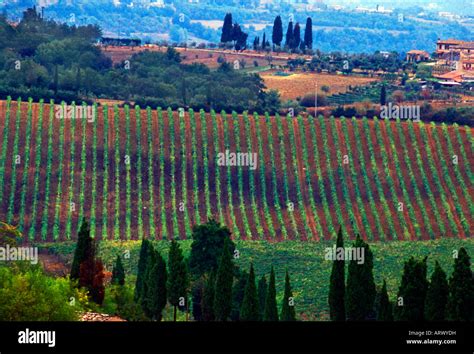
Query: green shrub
x,y
119,301
27,294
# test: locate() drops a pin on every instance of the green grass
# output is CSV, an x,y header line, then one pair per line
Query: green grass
x,y
309,272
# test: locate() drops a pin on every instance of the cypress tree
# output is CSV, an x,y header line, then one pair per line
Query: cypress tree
x,y
262,295
91,277
360,289
208,298
302,46
238,292
383,306
145,251
197,294
249,310
118,273
271,312
178,277
227,28
383,96
264,41
224,281
154,295
337,310
256,43
461,289
277,35
412,292
83,249
308,33
289,35
287,306
437,295
296,36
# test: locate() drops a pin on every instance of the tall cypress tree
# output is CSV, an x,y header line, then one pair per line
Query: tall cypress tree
x,y
308,33
271,312
118,273
178,277
412,292
383,96
227,28
287,306
277,35
154,291
83,249
238,292
262,295
461,289
383,306
91,276
145,251
197,293
360,289
208,298
289,35
224,281
337,309
296,36
264,41
256,43
437,295
249,310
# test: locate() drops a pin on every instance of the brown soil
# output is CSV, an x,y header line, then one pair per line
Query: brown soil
x,y
216,143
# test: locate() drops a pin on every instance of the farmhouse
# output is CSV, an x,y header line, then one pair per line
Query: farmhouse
x,y
455,61
416,56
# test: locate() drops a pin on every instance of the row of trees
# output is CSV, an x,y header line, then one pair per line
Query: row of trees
x,y
231,32
220,290
418,299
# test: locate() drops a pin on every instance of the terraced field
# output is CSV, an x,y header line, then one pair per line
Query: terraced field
x,y
140,172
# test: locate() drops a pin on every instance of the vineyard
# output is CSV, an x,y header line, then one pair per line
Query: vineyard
x,y
141,172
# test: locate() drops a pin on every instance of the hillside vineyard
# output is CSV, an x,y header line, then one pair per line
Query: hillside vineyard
x,y
135,172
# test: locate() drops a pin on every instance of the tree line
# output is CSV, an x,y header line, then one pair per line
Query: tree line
x,y
231,32
355,298
213,288
208,284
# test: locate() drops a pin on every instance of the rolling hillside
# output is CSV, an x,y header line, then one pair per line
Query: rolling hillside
x,y
155,173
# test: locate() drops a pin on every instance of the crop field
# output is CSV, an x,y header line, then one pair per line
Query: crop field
x,y
154,173
208,57
299,84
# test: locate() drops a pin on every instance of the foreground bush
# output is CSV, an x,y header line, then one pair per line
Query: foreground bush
x,y
27,294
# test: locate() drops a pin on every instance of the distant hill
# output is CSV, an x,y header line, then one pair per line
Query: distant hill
x,y
346,31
